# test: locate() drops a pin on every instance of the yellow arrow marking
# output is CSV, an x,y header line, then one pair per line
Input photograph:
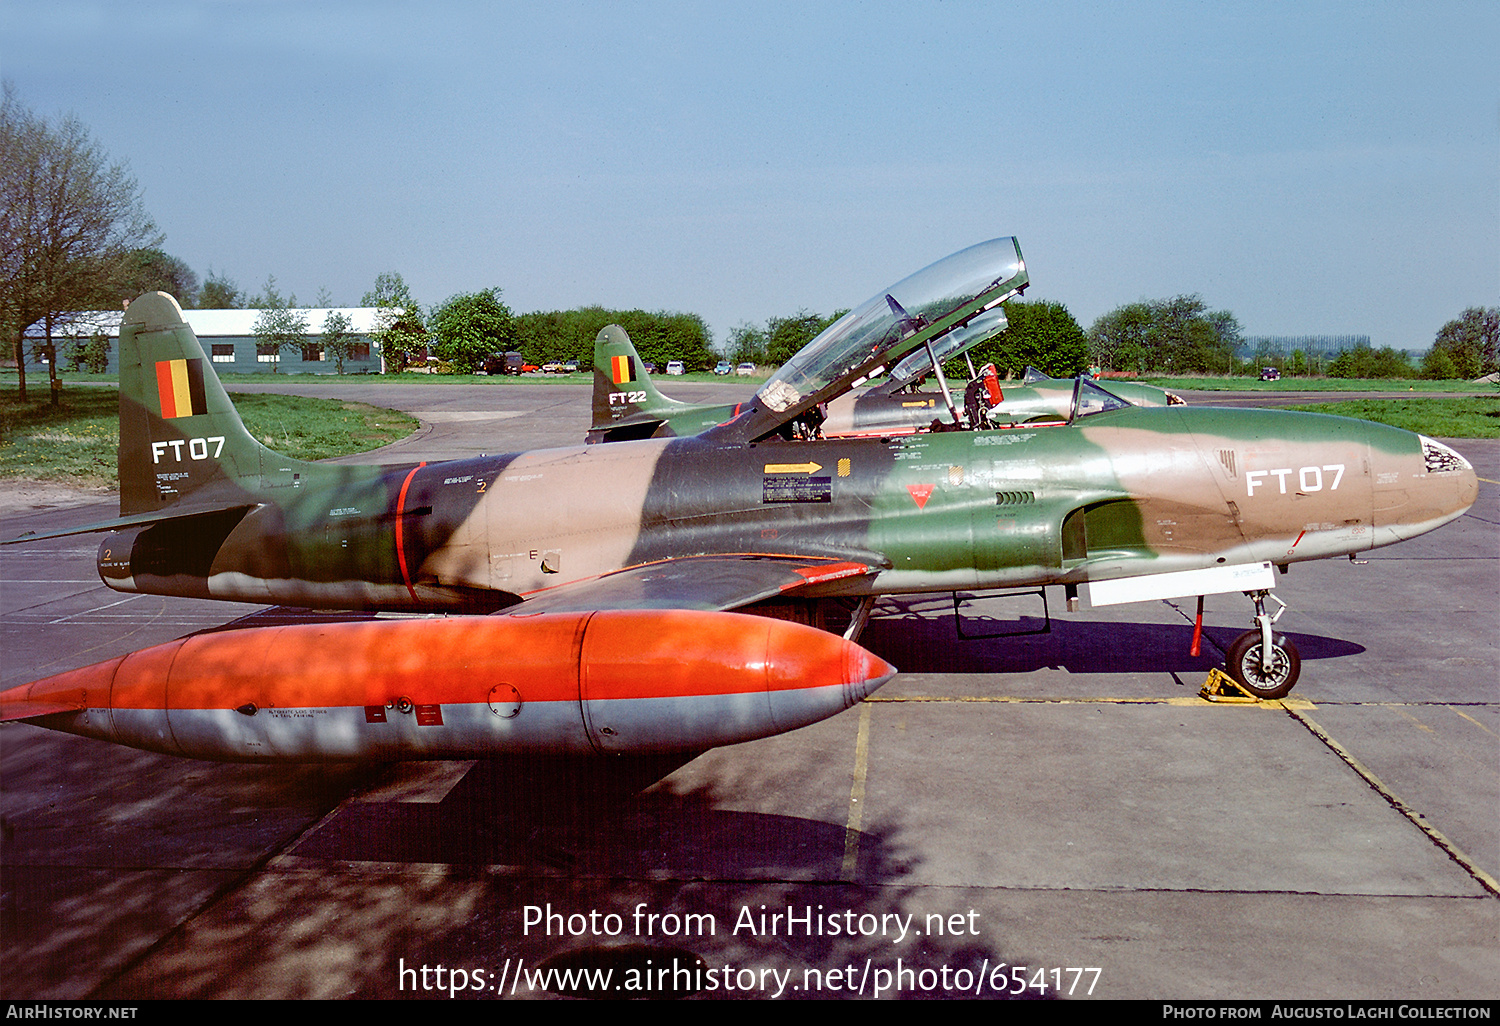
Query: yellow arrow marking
x,y
793,468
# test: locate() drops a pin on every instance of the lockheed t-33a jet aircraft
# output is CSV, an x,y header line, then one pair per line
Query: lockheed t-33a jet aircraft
x,y
596,584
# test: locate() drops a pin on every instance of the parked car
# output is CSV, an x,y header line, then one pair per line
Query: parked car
x,y
723,367
745,369
571,367
675,367
504,363
1270,374
552,367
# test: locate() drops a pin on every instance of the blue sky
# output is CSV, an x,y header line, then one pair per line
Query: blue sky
x,y
1316,168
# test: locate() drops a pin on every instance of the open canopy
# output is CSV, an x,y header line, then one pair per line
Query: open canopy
x,y
916,312
948,347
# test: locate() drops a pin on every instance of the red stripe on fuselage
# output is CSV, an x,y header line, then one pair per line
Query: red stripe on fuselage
x,y
401,534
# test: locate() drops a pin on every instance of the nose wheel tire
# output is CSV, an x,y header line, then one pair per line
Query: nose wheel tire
x,y
1244,665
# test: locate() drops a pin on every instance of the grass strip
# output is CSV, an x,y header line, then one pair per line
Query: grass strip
x,y
76,442
1437,416
1290,384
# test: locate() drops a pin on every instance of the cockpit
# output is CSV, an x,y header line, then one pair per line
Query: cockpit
x,y
904,335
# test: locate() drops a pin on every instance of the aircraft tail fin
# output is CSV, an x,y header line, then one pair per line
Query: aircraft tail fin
x,y
179,433
622,387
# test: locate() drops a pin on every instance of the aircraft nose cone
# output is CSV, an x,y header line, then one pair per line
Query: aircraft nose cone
x,y
1417,488
1451,476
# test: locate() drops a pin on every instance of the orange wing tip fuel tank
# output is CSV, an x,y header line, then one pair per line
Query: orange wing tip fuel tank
x,y
613,682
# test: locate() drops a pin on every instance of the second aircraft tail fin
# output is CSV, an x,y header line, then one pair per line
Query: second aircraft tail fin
x,y
622,387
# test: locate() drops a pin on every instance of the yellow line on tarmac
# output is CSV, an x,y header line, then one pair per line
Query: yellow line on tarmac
x,y
1414,721
1472,720
857,795
1017,700
1296,708
1452,850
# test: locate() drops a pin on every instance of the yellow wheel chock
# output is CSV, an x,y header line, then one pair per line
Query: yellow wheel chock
x,y
1221,687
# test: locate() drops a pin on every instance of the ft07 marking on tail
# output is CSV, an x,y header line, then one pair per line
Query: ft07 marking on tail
x,y
197,448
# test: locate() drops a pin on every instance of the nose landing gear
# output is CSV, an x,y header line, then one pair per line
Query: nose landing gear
x,y
1264,663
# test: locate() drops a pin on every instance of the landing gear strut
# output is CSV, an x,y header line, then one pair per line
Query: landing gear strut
x,y
1264,663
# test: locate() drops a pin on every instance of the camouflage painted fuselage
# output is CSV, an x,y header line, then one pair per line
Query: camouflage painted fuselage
x,y
1117,494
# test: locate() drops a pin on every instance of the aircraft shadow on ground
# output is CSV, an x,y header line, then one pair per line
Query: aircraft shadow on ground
x,y
109,845
908,634
917,635
453,882
590,815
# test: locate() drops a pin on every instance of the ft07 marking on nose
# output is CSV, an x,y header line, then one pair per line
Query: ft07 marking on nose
x,y
197,448
1309,479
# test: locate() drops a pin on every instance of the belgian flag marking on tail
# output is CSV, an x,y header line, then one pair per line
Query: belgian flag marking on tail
x,y
179,383
622,369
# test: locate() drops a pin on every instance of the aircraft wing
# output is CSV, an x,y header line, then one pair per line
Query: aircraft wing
x,y
694,582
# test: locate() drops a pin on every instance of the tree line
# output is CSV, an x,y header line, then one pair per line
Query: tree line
x,y
778,339
466,328
1467,346
1171,336
1181,335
